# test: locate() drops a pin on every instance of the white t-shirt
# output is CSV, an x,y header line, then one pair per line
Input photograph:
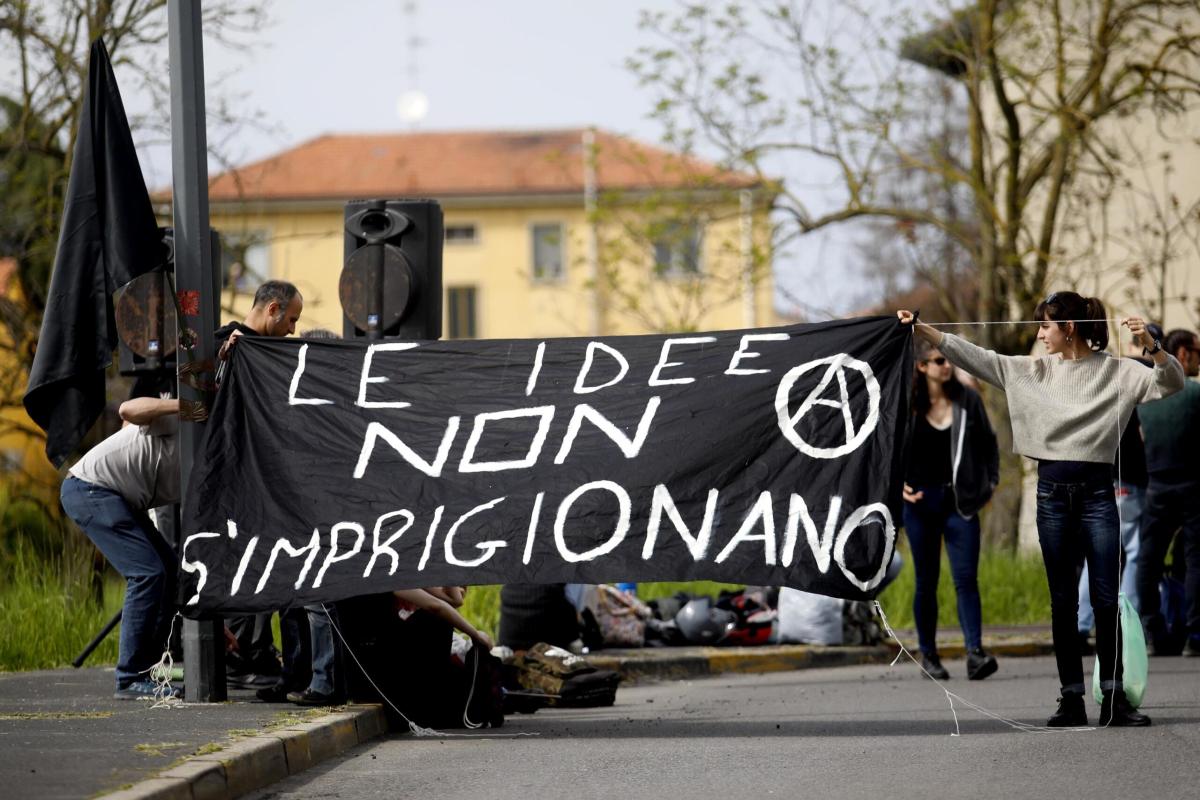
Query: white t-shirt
x,y
139,462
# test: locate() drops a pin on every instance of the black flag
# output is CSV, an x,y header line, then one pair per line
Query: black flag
x,y
109,236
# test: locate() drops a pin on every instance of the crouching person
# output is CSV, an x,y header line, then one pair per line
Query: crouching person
x,y
399,654
107,493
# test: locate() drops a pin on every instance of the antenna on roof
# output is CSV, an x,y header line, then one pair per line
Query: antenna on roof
x,y
412,105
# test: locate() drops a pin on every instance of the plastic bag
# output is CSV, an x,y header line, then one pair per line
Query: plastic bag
x,y
1133,656
809,618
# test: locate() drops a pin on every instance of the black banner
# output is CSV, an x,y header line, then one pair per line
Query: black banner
x,y
331,469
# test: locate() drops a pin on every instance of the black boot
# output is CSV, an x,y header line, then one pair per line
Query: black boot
x,y
1070,714
933,665
980,664
1116,712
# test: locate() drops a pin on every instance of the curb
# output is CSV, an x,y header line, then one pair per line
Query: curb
x,y
261,760
636,666
674,663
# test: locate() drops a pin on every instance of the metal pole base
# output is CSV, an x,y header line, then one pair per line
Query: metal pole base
x,y
204,661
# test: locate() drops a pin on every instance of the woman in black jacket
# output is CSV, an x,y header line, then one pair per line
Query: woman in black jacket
x,y
953,466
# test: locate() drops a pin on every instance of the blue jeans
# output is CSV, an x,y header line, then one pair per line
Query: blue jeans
x,y
1131,500
137,551
1078,522
927,522
324,651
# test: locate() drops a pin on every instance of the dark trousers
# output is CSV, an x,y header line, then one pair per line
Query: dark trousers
x,y
136,550
256,653
927,522
297,649
1078,522
1171,505
326,653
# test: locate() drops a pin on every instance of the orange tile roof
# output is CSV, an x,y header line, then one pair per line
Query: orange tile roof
x,y
343,166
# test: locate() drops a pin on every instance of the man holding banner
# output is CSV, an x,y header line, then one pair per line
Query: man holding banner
x,y
274,312
107,493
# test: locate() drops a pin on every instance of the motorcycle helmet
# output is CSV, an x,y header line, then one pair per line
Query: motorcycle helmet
x,y
700,623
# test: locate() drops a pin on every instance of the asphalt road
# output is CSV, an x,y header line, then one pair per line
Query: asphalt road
x,y
870,732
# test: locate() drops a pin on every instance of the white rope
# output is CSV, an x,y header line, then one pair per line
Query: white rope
x,y
951,696
1118,644
471,692
160,675
1117,320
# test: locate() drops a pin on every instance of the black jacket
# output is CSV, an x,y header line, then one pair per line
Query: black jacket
x,y
974,454
226,330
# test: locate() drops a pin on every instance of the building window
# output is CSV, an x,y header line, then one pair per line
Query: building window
x,y
245,260
462,233
677,249
460,313
547,251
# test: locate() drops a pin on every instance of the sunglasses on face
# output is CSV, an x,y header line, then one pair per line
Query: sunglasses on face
x,y
940,361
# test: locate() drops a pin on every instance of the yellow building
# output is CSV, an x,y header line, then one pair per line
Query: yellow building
x,y
547,233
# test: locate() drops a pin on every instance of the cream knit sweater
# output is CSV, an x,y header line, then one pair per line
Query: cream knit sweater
x,y
1067,410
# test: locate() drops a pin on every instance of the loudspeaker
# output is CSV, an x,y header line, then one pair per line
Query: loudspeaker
x,y
145,317
391,284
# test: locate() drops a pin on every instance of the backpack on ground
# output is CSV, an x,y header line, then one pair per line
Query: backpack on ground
x,y
567,680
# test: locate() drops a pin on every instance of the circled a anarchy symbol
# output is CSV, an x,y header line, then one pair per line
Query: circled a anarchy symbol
x,y
835,369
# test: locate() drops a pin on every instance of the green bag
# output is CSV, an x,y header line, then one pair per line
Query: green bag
x,y
1133,655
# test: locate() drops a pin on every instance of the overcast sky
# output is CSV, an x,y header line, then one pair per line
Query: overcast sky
x,y
324,67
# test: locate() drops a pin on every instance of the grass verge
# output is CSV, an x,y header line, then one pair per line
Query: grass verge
x,y
49,617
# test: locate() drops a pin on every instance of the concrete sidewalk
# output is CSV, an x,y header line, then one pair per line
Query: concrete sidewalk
x,y
62,735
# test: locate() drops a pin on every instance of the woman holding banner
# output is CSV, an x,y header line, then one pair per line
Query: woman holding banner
x,y
953,466
1068,409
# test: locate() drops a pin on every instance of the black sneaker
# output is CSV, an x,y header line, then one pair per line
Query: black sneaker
x,y
1116,712
1192,648
980,664
1071,713
311,698
1085,643
933,665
